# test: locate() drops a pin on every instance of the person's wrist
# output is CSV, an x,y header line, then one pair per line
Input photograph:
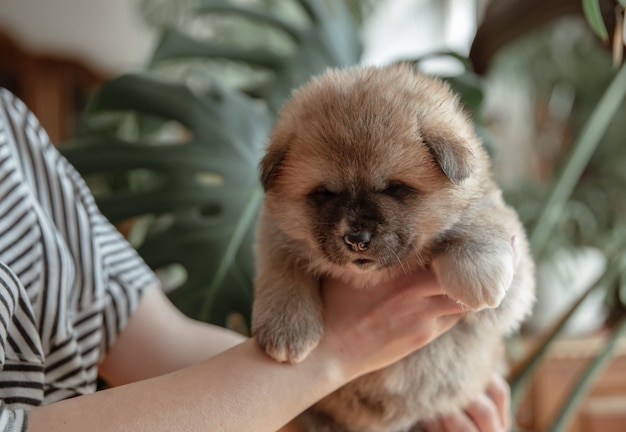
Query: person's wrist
x,y
331,366
323,362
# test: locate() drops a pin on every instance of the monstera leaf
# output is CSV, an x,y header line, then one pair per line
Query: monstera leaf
x,y
196,196
205,186
328,37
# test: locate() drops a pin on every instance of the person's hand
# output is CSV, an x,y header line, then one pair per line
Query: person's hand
x,y
489,412
368,329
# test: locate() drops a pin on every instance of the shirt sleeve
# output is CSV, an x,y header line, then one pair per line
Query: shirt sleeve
x,y
21,361
12,420
110,274
125,273
117,275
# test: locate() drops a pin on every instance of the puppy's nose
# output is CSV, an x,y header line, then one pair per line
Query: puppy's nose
x,y
358,241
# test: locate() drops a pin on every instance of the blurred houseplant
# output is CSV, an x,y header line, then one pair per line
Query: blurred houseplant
x,y
579,200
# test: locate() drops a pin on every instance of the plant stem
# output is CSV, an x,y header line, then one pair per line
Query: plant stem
x,y
593,14
243,225
520,376
583,150
588,377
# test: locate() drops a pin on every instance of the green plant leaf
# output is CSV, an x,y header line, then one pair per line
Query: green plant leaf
x,y
467,84
213,221
246,219
591,8
469,88
251,13
521,374
330,38
176,45
579,157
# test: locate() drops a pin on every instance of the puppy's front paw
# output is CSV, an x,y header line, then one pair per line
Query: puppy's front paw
x,y
478,281
289,339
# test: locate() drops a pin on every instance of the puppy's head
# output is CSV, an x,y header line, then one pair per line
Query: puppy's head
x,y
367,166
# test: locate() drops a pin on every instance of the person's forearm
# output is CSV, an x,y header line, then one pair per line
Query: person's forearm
x,y
239,390
159,339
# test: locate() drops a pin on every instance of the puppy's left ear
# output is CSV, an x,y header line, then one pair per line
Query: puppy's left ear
x,y
453,156
271,162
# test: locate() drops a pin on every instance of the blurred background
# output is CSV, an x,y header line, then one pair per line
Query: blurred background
x,y
165,105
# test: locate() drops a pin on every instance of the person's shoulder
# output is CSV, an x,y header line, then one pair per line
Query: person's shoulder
x,y
6,95
10,101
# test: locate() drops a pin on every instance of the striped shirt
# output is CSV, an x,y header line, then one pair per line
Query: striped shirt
x,y
68,280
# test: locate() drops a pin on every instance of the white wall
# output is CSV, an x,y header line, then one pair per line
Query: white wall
x,y
406,29
109,35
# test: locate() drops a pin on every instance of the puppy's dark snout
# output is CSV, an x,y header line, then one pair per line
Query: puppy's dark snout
x,y
358,241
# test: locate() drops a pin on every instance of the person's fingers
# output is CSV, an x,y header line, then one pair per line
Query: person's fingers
x,y
444,305
423,280
446,322
431,426
484,414
499,392
425,334
458,422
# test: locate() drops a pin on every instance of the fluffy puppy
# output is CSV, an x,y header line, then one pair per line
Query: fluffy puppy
x,y
370,172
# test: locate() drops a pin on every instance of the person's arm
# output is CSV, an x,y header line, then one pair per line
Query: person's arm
x,y
160,339
242,389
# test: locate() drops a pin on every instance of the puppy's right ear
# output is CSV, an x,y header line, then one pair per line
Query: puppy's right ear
x,y
453,155
271,162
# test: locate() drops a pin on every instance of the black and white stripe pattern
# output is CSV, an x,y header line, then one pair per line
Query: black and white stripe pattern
x,y
68,280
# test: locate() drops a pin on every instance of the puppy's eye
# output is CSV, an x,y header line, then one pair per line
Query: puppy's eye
x,y
321,193
398,190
